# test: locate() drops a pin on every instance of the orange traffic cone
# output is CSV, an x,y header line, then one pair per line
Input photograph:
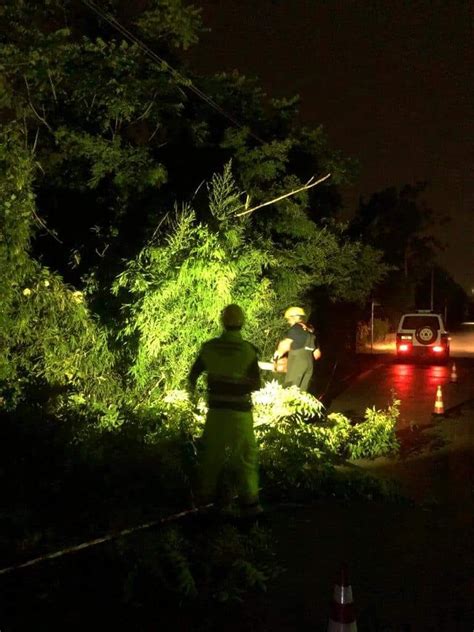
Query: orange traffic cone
x,y
439,405
454,375
342,617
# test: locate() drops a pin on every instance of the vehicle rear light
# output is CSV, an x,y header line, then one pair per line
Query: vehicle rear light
x,y
403,347
438,349
405,337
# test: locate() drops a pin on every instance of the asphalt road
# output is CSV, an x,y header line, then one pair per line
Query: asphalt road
x,y
411,565
413,383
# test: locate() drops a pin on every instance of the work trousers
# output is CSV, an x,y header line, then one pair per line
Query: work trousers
x,y
300,369
229,441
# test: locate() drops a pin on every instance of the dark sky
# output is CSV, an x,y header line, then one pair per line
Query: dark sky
x,y
391,81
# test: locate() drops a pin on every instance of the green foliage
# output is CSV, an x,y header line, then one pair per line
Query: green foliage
x,y
16,219
171,21
47,334
162,562
221,564
293,450
375,436
179,286
95,127
298,447
273,404
96,112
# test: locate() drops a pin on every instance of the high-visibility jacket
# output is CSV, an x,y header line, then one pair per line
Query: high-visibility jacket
x,y
231,364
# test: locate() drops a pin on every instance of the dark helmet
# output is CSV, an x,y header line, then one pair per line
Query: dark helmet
x,y
232,316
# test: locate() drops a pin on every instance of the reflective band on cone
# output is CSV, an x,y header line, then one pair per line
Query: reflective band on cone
x,y
454,375
342,617
439,405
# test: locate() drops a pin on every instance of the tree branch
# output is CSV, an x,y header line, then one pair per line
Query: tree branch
x,y
38,115
33,149
308,185
43,225
145,113
52,86
154,132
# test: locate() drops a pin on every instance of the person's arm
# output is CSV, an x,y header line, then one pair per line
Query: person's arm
x,y
194,373
317,350
283,348
254,375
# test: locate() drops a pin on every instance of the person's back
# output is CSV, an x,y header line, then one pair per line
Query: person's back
x,y
231,365
300,347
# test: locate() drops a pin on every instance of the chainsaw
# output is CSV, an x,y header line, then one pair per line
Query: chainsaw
x,y
280,366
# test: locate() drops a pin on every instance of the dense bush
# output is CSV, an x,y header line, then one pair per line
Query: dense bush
x,y
298,443
219,564
375,436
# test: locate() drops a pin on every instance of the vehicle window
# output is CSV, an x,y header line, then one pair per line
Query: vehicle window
x,y
415,322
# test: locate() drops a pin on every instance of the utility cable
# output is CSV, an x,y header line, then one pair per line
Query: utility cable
x,y
166,65
106,538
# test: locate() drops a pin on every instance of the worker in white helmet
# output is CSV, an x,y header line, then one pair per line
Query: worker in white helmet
x,y
300,348
231,365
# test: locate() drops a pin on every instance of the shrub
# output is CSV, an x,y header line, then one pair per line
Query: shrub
x,y
375,436
296,443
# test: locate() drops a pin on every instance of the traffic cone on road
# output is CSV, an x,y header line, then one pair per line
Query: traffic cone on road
x,y
342,617
439,404
454,375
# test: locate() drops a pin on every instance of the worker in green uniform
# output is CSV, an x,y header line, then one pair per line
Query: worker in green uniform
x,y
231,365
300,347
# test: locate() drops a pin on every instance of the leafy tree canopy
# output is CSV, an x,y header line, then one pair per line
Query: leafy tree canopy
x,y
398,222
179,283
100,141
120,136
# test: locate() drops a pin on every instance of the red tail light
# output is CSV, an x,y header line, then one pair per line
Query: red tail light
x,y
403,347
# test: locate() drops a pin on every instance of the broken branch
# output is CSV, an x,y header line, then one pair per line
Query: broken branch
x,y
308,185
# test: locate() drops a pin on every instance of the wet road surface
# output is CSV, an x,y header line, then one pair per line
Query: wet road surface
x,y
415,385
411,563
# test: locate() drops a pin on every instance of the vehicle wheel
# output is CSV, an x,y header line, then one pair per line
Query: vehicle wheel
x,y
425,335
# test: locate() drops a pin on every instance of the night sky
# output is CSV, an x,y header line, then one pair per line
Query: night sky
x,y
391,81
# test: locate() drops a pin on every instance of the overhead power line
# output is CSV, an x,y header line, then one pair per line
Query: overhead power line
x,y
107,17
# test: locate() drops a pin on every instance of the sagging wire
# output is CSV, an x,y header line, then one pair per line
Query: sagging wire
x,y
101,540
166,65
